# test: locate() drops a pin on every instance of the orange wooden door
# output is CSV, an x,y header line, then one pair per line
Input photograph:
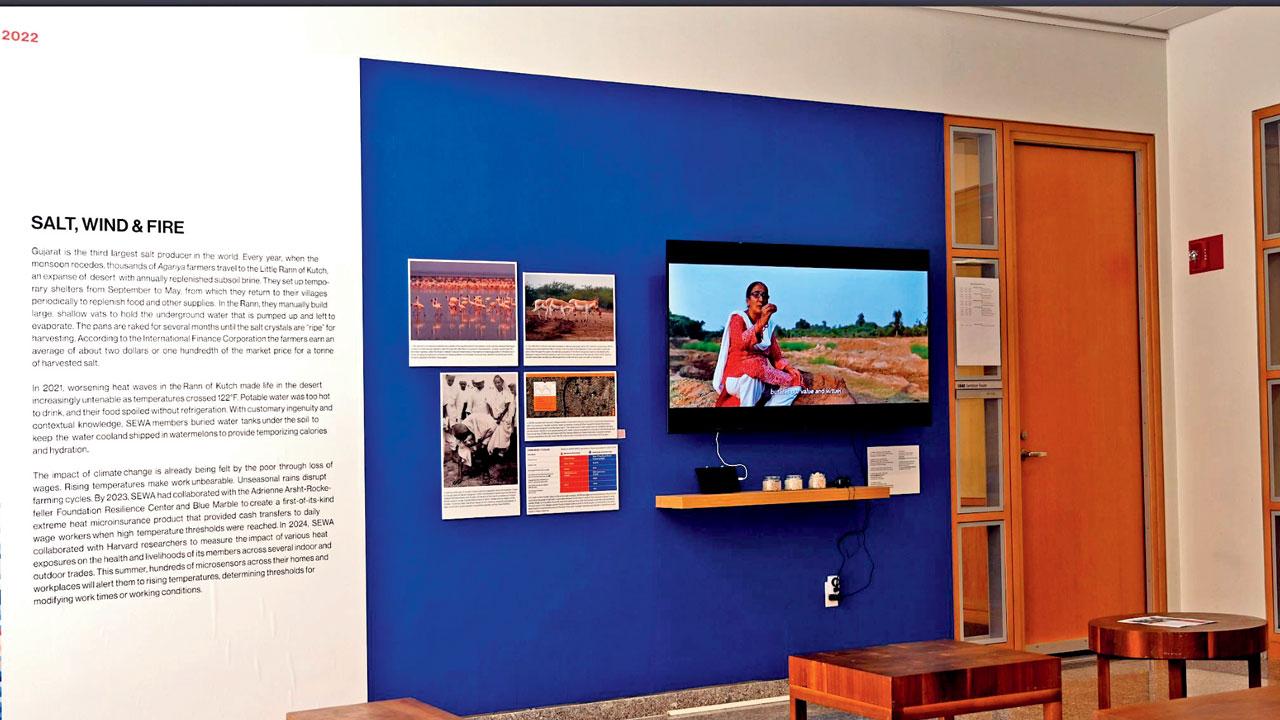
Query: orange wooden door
x,y
1079,389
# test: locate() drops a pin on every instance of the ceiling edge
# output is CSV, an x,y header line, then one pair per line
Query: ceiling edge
x,y
1042,19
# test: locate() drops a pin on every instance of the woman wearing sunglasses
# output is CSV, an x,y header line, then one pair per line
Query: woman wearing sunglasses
x,y
751,370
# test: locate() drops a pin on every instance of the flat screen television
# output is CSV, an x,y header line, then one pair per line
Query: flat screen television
x,y
776,337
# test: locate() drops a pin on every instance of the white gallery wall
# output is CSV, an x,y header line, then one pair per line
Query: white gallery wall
x,y
1221,69
246,122
255,150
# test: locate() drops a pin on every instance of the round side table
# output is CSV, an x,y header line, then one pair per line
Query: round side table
x,y
1228,637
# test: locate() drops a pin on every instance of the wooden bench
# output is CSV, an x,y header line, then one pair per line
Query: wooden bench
x,y
402,709
1251,704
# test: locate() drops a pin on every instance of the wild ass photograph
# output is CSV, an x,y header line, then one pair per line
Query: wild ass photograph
x,y
562,307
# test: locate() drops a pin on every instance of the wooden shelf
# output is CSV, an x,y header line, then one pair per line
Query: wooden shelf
x,y
698,501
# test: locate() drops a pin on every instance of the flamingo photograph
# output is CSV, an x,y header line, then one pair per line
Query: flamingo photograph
x,y
462,300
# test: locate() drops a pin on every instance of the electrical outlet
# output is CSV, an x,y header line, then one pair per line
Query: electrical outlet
x,y
831,591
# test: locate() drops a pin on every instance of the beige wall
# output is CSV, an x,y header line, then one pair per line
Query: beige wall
x,y
1221,69
911,58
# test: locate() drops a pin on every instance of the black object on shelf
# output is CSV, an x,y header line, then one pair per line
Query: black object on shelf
x,y
718,479
842,482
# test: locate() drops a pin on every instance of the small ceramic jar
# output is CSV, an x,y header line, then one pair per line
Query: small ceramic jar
x,y
772,483
794,482
817,481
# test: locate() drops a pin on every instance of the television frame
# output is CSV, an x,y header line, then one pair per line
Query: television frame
x,y
802,417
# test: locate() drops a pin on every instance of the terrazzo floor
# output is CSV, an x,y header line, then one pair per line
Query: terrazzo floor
x,y
1132,681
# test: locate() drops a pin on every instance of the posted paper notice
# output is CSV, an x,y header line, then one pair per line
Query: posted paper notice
x,y
897,466
571,478
977,321
1166,622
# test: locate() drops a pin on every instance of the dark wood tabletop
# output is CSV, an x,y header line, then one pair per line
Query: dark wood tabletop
x,y
1227,637
924,658
1251,704
937,678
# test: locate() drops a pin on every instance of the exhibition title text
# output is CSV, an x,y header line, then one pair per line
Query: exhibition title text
x,y
72,223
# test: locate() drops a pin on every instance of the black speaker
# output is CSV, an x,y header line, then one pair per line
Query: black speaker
x,y
718,479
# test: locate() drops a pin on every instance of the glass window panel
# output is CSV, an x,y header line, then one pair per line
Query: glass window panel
x,y
977,269
1275,566
978,451
1272,302
1273,433
982,581
1271,177
973,187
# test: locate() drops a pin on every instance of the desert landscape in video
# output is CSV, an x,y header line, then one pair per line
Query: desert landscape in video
x,y
850,370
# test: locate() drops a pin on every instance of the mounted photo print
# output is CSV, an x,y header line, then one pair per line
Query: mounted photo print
x,y
571,406
479,451
462,313
569,319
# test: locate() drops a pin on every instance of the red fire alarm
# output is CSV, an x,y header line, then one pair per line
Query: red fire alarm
x,y
1205,254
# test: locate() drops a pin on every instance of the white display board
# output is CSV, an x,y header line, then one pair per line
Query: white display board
x,y
897,466
184,516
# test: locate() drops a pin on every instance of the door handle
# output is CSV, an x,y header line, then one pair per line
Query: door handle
x,y
1034,454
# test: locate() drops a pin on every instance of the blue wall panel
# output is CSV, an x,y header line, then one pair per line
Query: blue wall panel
x,y
579,176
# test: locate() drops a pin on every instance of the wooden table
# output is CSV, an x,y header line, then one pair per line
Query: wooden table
x,y
402,709
1229,637
939,678
1238,705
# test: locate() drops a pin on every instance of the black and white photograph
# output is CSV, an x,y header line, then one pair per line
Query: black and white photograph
x,y
479,450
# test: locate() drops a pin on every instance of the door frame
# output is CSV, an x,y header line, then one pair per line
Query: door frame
x,y
1270,505
1142,147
